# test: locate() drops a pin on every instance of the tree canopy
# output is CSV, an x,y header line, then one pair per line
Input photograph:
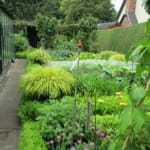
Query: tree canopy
x,y
74,10
69,11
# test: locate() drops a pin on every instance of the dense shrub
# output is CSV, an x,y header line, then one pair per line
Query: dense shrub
x,y
39,57
30,138
119,39
118,57
44,82
21,42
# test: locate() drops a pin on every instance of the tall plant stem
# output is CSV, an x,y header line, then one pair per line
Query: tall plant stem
x,y
75,93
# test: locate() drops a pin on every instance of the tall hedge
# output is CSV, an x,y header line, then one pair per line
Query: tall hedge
x,y
120,39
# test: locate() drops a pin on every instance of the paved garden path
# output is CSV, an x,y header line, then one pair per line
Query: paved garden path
x,y
9,100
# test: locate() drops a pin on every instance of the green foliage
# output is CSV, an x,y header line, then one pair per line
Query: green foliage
x,y
119,39
27,10
146,4
112,104
28,111
86,26
46,28
69,30
102,84
118,57
39,57
74,10
133,121
84,55
21,42
105,54
107,123
30,138
56,118
61,42
61,54
45,82
23,54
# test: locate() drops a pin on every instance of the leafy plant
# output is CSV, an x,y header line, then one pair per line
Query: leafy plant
x,y
21,42
118,57
112,104
30,138
133,127
45,82
62,54
56,118
39,57
28,111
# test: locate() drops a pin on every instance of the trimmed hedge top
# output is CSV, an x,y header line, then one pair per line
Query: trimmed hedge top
x,y
119,39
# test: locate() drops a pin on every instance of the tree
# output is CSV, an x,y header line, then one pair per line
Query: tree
x,y
74,10
28,9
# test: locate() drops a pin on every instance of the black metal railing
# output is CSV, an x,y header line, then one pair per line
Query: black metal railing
x,y
6,41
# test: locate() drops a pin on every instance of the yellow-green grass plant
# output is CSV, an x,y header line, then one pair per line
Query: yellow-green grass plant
x,y
39,57
46,82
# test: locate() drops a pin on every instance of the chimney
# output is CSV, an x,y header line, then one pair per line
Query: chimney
x,y
130,5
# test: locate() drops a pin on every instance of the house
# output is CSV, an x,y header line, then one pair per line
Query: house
x,y
6,39
132,12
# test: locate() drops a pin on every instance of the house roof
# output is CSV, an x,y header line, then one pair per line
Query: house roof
x,y
106,25
120,10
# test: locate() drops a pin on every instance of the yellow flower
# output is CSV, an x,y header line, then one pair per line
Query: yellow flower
x,y
118,93
120,96
101,101
113,73
123,104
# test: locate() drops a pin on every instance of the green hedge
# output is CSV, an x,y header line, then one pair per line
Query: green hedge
x,y
119,39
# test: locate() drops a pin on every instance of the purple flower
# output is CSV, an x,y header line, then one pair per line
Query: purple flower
x,y
58,137
79,141
81,134
91,143
98,132
102,134
72,148
106,137
51,142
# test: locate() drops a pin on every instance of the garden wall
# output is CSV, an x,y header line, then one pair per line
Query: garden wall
x,y
120,39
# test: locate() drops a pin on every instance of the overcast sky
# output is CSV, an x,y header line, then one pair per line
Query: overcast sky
x,y
117,4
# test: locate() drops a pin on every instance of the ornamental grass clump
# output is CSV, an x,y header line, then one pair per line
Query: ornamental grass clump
x,y
39,57
42,83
